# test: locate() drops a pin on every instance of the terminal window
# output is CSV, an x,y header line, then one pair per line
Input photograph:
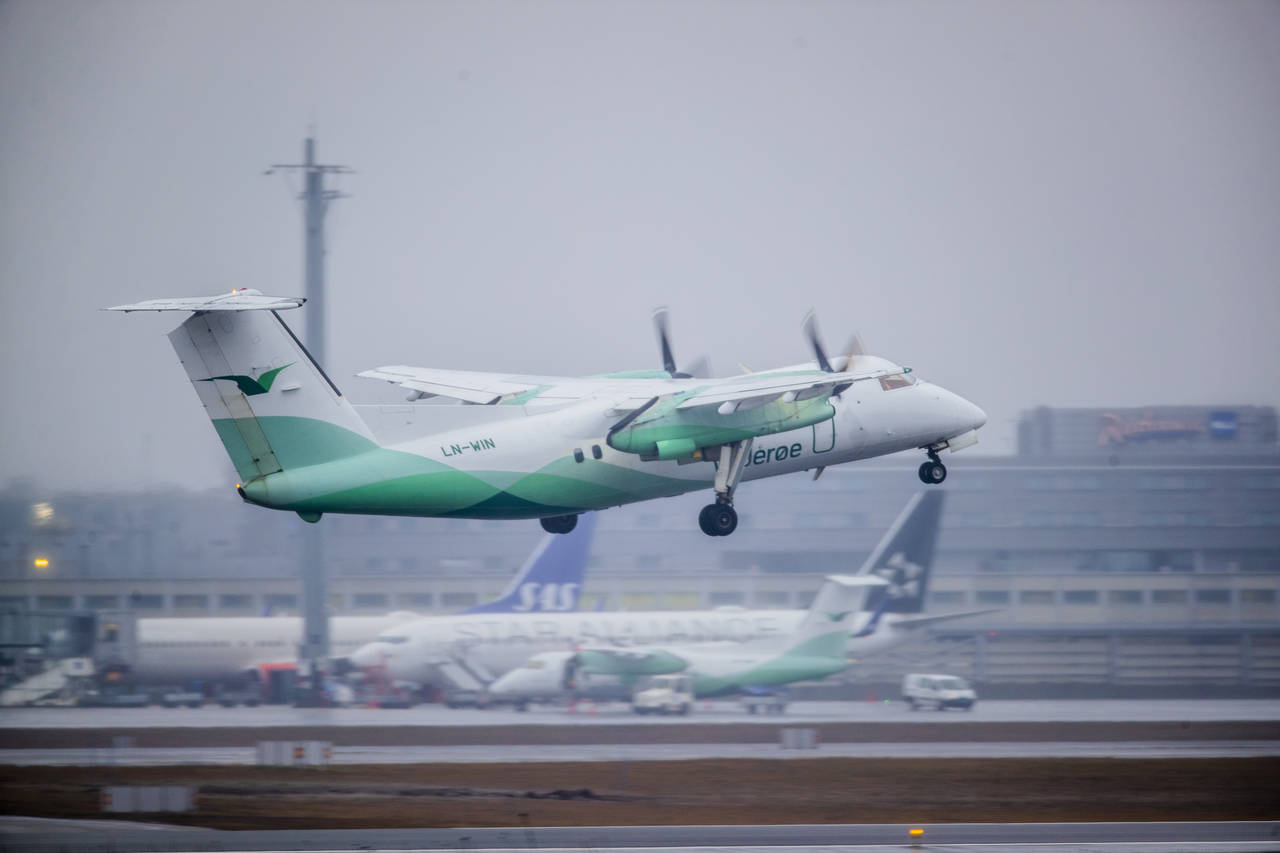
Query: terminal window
x,y
453,600
1258,596
1168,596
53,602
369,600
1036,596
1213,596
191,602
992,596
1125,596
235,601
1080,596
102,602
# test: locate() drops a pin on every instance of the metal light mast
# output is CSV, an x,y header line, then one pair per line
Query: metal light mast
x,y
314,649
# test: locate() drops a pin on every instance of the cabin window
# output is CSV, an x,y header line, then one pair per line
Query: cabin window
x,y
596,452
577,454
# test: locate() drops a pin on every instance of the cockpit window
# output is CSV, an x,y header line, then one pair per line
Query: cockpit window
x,y
897,380
394,639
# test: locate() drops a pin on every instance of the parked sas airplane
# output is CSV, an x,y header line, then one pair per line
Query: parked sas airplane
x,y
236,648
541,447
470,652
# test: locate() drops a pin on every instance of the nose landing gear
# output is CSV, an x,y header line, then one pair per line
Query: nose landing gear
x,y
933,471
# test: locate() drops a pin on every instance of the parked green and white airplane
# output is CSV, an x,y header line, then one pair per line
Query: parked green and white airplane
x,y
813,651
541,447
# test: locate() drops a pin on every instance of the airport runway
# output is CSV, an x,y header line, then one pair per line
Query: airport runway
x,y
520,754
708,713
59,836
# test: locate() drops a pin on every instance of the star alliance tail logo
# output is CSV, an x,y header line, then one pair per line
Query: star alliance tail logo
x,y
249,386
903,575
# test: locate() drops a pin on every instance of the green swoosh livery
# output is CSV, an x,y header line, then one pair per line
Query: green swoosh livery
x,y
249,386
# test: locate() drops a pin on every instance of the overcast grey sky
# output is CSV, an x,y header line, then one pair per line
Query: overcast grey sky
x,y
1069,204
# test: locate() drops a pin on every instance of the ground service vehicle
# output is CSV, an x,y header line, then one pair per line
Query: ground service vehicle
x,y
665,694
938,690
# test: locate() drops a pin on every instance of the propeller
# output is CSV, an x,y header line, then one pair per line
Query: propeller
x,y
810,326
660,325
853,349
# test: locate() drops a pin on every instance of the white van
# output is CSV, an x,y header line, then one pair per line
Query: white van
x,y
664,694
937,689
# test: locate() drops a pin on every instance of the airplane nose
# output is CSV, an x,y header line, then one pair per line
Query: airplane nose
x,y
370,654
503,685
973,416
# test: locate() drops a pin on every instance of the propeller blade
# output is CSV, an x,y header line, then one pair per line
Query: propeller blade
x,y
699,368
631,416
854,348
815,341
664,340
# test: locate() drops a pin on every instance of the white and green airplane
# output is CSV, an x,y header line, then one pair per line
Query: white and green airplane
x,y
815,649
541,447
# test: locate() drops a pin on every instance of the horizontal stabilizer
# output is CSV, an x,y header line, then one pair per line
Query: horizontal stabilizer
x,y
242,299
469,386
924,621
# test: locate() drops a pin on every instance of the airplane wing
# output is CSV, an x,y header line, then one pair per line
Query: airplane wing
x,y
766,386
728,411
467,385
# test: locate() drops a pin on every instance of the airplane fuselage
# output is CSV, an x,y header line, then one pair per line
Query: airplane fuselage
x,y
501,642
559,462
220,648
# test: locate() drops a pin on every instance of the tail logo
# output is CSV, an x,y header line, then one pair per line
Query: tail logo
x,y
249,386
546,597
838,617
903,576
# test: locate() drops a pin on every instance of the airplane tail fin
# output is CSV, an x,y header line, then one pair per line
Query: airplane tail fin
x,y
904,557
551,579
825,628
272,405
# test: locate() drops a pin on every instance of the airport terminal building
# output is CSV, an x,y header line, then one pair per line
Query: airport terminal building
x,y
1137,545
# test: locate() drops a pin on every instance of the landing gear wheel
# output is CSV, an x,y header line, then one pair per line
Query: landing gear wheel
x,y
718,519
932,473
559,523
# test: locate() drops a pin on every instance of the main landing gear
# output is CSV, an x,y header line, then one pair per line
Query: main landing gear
x,y
559,523
933,471
720,518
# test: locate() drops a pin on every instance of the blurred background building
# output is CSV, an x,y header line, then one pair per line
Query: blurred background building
x,y
1121,545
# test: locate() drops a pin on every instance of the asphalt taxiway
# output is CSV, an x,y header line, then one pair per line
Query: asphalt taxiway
x,y
705,713
1110,837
